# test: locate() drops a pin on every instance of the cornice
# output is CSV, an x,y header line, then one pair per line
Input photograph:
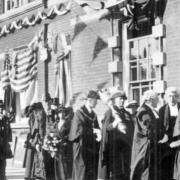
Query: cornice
x,y
21,11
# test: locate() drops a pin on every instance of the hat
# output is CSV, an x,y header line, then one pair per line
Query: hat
x,y
132,104
1,103
93,94
38,106
61,108
118,93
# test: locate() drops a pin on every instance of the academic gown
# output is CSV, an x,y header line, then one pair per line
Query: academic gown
x,y
176,137
145,149
167,154
115,150
85,146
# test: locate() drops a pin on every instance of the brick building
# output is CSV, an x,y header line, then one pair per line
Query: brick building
x,y
133,44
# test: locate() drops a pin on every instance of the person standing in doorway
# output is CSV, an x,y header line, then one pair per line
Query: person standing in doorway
x,y
85,136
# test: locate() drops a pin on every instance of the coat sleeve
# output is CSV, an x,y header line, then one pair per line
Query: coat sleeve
x,y
76,128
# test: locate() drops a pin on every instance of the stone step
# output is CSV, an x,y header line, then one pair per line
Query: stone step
x,y
15,174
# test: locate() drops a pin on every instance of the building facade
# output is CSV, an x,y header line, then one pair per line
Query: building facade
x,y
92,45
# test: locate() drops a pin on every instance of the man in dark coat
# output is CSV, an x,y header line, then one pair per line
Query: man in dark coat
x,y
5,138
117,134
84,134
144,151
168,115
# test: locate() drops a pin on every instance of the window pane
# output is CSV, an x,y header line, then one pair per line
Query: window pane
x,y
144,89
143,70
143,48
153,72
136,95
133,50
133,74
153,46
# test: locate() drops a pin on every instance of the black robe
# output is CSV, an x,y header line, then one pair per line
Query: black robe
x,y
85,146
115,150
145,149
167,154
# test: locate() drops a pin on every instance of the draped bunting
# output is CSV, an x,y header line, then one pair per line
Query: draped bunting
x,y
5,71
34,19
63,88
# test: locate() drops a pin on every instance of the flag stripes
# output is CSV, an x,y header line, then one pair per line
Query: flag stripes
x,y
5,72
21,71
24,69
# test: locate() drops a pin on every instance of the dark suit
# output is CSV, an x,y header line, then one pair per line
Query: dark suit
x,y
115,151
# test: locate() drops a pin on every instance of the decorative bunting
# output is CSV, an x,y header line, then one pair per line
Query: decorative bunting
x,y
34,19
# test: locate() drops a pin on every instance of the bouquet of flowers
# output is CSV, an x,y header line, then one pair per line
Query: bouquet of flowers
x,y
51,143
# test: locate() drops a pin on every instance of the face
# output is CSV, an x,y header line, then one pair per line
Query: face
x,y
154,101
119,101
172,98
92,102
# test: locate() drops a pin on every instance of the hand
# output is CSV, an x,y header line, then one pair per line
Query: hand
x,y
116,122
164,139
98,134
175,144
38,148
121,127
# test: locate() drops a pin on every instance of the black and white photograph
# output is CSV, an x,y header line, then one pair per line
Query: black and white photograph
x,y
89,89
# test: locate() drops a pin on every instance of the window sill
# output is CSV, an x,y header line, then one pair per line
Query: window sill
x,y
21,10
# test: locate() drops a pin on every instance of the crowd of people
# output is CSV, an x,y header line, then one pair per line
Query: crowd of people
x,y
136,142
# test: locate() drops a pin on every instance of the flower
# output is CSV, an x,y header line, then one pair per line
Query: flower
x,y
51,143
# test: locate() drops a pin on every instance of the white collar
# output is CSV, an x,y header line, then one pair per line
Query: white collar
x,y
88,108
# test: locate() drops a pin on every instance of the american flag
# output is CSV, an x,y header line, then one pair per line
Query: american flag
x,y
23,69
5,71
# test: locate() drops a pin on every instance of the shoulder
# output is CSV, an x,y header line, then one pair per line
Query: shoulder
x,y
162,109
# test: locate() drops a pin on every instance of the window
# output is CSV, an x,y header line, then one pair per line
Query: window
x,y
12,4
142,72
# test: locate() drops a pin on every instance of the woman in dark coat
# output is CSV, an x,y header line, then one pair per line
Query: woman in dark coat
x,y
35,167
63,159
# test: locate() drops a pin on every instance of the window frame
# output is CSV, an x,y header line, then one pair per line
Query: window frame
x,y
141,83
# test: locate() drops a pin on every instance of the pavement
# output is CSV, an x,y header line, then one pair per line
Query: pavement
x,y
15,174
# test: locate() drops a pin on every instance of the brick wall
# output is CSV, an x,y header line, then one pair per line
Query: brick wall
x,y
172,22
89,59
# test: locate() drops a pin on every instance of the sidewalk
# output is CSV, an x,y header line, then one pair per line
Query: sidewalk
x,y
15,174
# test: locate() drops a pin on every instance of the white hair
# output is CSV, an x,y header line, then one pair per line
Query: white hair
x,y
171,90
149,94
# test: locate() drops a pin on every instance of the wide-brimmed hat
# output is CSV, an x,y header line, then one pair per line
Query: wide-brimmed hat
x,y
117,94
132,103
93,94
